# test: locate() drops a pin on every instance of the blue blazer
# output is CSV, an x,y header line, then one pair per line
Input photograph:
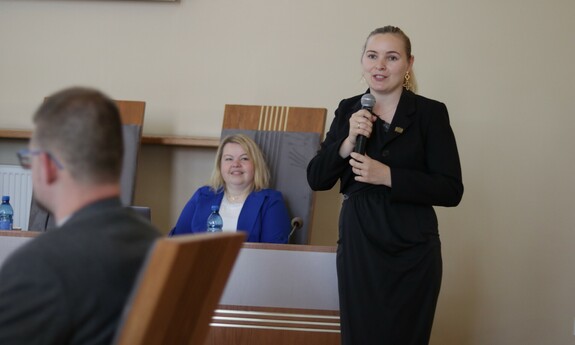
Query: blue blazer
x,y
264,215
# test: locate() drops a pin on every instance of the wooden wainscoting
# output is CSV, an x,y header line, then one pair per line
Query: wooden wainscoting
x,y
237,325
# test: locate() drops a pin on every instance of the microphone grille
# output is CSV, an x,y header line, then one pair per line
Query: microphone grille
x,y
297,222
367,100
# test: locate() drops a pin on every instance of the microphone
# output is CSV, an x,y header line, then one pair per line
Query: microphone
x,y
296,223
367,102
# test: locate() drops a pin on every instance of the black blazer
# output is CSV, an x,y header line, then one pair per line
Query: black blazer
x,y
419,148
422,155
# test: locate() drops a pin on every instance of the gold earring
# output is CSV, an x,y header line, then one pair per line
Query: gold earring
x,y
406,83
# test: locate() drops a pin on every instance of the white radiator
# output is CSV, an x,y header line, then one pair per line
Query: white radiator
x,y
17,183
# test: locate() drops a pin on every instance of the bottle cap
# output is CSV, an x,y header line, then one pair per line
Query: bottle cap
x,y
215,208
5,198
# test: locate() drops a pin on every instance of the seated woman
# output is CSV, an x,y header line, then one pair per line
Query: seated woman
x,y
239,185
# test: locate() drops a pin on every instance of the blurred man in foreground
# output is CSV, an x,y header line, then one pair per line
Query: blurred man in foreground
x,y
70,285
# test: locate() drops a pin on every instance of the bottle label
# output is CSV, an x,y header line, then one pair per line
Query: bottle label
x,y
5,225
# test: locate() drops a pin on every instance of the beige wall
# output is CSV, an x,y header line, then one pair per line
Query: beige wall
x,y
504,69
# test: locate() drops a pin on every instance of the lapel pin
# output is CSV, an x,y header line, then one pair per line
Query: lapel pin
x,y
398,130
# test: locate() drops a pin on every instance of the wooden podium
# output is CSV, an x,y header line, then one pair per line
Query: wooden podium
x,y
279,294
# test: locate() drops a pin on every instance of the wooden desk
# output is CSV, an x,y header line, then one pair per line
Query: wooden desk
x,y
276,294
19,233
279,294
10,240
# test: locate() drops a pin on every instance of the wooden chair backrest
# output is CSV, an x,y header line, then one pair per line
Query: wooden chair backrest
x,y
179,289
132,117
274,118
289,137
132,112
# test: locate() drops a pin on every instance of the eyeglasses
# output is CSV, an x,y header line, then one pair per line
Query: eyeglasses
x,y
25,158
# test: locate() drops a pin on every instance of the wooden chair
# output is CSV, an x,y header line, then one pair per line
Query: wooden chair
x,y
132,116
179,289
289,138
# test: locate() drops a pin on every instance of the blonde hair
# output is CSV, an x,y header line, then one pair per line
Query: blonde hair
x,y
389,29
261,171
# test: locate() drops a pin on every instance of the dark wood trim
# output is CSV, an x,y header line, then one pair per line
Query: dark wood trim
x,y
166,140
180,141
293,247
15,134
19,233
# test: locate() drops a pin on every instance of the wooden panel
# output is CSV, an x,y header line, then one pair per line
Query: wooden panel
x,y
279,294
15,134
180,141
278,326
290,247
166,140
274,118
132,112
236,336
307,120
19,233
181,286
241,116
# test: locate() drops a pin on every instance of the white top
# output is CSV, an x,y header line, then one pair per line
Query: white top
x,y
230,213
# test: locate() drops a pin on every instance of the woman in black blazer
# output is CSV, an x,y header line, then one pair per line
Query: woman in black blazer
x,y
389,254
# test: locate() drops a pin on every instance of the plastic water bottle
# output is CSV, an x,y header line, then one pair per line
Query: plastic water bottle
x,y
215,222
6,214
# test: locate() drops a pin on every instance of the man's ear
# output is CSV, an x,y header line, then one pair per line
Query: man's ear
x,y
48,168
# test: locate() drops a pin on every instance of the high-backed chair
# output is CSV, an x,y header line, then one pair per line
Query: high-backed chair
x,y
132,116
289,138
181,284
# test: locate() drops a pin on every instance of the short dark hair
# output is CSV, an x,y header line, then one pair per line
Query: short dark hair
x,y
82,128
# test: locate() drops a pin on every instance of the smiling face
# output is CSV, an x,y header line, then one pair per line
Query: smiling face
x,y
237,168
385,62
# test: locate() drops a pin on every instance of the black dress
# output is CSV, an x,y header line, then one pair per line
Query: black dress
x,y
389,254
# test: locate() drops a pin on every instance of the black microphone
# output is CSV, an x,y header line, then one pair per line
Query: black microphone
x,y
367,102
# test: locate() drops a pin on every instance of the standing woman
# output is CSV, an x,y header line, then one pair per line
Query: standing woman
x,y
389,253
